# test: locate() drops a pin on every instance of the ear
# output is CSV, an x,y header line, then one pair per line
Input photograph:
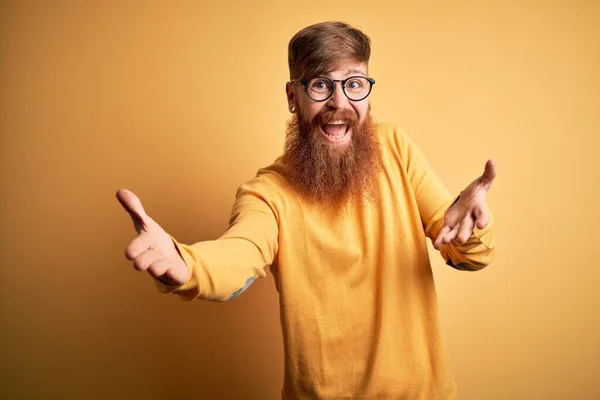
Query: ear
x,y
290,94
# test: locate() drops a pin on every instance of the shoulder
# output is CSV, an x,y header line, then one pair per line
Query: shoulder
x,y
392,138
269,184
274,175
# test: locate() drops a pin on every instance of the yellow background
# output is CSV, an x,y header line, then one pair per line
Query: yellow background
x,y
183,101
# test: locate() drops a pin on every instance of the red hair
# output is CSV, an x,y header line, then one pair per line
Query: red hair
x,y
317,49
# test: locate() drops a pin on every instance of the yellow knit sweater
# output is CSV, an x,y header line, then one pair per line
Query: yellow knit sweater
x,y
358,305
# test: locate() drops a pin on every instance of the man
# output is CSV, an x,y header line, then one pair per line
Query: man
x,y
342,219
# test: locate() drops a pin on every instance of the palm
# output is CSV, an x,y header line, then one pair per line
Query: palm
x,y
153,249
469,211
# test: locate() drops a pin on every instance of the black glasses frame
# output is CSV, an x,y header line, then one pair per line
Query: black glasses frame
x,y
333,81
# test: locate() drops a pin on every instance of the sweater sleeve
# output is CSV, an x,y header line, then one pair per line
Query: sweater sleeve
x,y
222,269
434,200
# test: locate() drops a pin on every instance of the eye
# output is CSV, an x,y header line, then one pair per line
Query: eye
x,y
320,85
354,84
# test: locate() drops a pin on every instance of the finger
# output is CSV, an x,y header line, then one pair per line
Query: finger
x,y
160,268
438,241
132,204
483,217
138,245
154,262
145,260
489,173
451,235
465,230
176,276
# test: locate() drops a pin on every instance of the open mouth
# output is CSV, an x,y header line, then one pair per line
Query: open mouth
x,y
336,131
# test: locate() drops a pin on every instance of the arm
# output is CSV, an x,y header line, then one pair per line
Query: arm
x,y
222,269
472,251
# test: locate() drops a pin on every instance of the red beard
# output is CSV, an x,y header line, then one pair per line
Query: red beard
x,y
327,174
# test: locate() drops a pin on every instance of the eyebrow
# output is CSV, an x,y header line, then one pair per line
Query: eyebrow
x,y
348,72
355,71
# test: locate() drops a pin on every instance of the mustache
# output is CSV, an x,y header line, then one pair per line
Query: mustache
x,y
326,116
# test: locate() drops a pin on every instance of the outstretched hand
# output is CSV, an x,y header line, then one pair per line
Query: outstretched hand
x,y
469,211
153,249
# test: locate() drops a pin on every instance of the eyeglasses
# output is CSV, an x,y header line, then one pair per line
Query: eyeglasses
x,y
356,88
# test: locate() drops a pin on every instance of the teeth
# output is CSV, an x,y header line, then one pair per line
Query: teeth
x,y
336,125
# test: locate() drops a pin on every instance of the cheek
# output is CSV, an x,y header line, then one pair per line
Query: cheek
x,y
361,109
310,110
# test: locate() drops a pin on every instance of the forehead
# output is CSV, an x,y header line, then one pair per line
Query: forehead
x,y
344,69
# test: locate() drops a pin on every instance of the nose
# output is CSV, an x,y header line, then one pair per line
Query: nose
x,y
338,99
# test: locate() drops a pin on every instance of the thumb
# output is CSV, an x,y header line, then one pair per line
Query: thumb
x,y
489,173
132,204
